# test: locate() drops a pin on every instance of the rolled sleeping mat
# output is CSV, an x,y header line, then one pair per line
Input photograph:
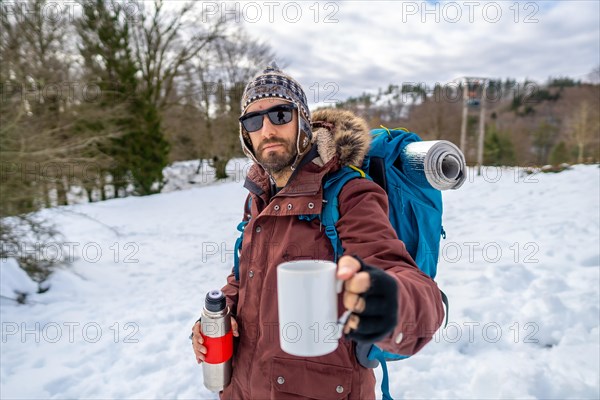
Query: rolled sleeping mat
x,y
436,163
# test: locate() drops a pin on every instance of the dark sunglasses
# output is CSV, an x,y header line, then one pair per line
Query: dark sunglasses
x,y
280,114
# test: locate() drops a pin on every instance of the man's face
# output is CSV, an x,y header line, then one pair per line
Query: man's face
x,y
274,145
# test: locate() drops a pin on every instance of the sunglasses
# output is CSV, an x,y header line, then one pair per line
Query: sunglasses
x,y
280,114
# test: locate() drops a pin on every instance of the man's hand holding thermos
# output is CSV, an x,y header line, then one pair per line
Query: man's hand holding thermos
x,y
212,339
199,348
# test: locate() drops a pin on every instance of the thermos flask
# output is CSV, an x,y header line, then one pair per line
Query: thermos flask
x,y
218,340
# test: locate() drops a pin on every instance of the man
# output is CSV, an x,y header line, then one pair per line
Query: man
x,y
394,304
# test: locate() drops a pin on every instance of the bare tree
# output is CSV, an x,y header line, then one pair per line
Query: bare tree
x,y
212,89
584,128
594,76
42,150
185,121
165,42
438,117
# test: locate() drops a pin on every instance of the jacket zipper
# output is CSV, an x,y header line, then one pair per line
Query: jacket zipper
x,y
258,328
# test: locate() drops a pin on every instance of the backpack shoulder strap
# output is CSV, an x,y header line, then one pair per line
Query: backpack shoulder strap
x,y
378,354
332,186
238,243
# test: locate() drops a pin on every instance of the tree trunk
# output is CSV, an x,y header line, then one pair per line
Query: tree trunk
x,y
47,201
220,165
61,193
102,182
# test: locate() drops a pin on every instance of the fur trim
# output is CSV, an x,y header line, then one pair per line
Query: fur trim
x,y
341,133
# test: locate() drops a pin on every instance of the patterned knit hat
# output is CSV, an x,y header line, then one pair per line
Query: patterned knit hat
x,y
272,82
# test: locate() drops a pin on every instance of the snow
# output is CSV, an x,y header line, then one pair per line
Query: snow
x,y
14,281
396,101
520,265
187,174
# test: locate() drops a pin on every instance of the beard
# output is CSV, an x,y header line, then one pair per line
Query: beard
x,y
276,161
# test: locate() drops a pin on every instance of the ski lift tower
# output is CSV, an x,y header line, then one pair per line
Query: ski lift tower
x,y
474,91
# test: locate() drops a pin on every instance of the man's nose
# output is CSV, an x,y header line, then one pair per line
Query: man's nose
x,y
268,129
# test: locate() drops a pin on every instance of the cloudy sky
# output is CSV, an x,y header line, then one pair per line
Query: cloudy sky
x,y
338,49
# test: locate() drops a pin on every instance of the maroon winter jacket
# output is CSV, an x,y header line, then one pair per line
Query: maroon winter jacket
x,y
275,234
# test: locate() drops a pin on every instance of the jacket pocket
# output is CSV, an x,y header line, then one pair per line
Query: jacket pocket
x,y
293,379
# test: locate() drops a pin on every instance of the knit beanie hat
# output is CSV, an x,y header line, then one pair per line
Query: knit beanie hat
x,y
272,82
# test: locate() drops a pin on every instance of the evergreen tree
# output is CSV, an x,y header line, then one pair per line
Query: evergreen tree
x,y
108,62
498,148
559,154
149,150
140,153
543,140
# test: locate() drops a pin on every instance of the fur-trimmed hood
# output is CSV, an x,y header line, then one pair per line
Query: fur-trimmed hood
x,y
342,133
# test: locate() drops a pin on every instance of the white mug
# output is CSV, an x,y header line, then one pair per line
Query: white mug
x,y
307,304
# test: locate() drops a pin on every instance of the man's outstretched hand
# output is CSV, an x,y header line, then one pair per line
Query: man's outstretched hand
x,y
372,296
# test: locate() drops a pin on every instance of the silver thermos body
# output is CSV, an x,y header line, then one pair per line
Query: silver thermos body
x,y
218,340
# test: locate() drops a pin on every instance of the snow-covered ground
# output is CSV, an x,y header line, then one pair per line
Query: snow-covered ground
x,y
192,174
520,265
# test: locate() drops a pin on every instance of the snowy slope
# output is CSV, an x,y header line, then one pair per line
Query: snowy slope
x,y
520,265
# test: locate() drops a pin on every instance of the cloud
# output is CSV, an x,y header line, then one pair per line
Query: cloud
x,y
364,45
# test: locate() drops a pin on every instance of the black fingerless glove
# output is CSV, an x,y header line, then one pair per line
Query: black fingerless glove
x,y
380,315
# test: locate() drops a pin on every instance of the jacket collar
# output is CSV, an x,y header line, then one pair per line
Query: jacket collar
x,y
305,180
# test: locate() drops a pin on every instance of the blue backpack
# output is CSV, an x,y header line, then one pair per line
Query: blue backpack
x,y
415,212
